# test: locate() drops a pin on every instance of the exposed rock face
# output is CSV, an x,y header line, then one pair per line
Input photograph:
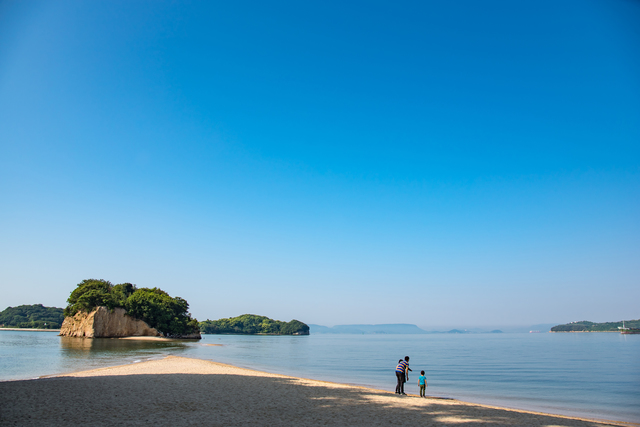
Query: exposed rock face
x,y
102,323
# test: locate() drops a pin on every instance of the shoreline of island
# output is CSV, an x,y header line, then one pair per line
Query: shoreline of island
x,y
583,332
215,392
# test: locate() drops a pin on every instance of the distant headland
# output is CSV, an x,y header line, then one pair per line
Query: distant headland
x,y
587,326
389,328
35,316
251,324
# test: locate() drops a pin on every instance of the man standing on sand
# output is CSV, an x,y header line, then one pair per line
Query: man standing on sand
x,y
402,371
399,384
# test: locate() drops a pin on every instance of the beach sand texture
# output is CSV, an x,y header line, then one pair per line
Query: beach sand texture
x,y
178,391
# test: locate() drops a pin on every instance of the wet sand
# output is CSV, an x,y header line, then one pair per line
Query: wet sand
x,y
178,391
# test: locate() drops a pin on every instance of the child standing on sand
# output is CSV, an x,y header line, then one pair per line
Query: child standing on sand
x,y
422,382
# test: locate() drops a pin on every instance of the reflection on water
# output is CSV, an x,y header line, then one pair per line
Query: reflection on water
x,y
86,346
26,354
77,354
96,352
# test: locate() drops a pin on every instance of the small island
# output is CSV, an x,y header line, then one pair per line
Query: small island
x,y
35,316
587,326
99,309
251,324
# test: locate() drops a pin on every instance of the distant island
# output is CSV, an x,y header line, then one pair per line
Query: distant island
x,y
392,328
387,328
250,324
586,326
34,316
99,309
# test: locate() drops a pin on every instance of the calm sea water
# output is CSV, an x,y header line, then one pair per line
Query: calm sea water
x,y
593,375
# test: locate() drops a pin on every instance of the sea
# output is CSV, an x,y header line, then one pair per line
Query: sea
x,y
589,375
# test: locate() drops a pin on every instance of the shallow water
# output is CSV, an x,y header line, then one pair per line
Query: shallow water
x,y
593,375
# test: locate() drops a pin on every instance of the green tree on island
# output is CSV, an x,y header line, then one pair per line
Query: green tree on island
x,y
156,307
253,324
587,326
34,316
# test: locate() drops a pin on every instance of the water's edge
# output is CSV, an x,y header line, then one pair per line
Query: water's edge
x,y
556,374
496,405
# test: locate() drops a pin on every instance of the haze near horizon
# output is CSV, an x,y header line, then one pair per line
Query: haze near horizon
x,y
435,164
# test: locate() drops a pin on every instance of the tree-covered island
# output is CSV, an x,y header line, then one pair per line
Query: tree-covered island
x,y
251,324
152,305
586,326
34,316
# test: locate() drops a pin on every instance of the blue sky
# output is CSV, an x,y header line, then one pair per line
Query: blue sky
x,y
442,164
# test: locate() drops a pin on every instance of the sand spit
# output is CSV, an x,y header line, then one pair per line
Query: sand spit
x,y
178,391
142,338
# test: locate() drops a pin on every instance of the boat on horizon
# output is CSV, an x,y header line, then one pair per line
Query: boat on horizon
x,y
624,330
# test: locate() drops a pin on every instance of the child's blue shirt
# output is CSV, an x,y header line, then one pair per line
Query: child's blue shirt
x,y
421,379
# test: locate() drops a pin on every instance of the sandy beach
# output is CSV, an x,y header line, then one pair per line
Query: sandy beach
x,y
179,391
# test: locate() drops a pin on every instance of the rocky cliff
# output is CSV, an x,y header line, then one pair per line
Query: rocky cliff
x,y
102,323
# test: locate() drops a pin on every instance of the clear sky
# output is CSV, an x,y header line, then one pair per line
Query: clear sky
x,y
436,163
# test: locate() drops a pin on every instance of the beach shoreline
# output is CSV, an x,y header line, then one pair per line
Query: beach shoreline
x,y
216,393
146,338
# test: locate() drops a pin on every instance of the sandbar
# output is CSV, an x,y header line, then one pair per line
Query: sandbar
x,y
179,391
145,338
